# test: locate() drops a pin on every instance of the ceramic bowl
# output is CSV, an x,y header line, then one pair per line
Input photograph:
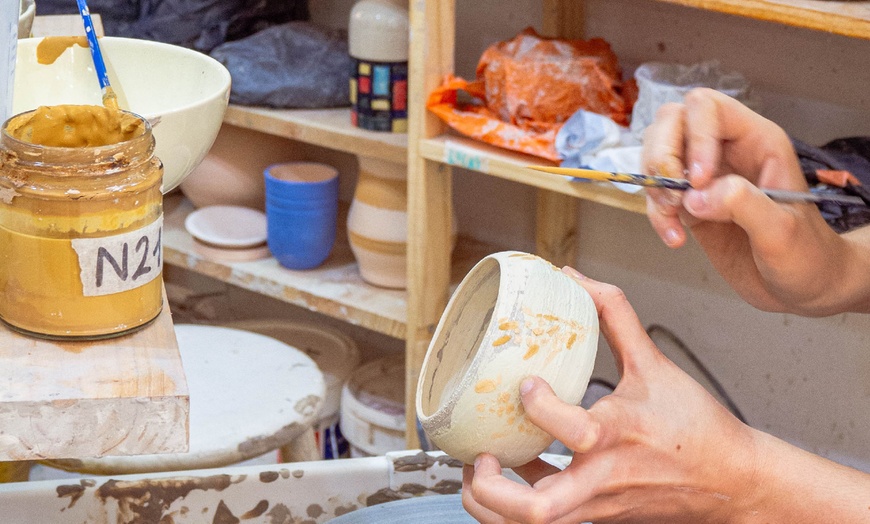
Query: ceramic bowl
x,y
183,93
513,316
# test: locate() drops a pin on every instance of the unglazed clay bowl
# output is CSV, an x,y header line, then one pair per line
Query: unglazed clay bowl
x,y
513,316
183,93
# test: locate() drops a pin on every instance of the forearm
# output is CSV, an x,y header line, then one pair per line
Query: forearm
x,y
815,273
855,281
794,486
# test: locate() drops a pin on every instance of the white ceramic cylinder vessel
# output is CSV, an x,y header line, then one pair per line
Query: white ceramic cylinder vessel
x,y
513,316
378,30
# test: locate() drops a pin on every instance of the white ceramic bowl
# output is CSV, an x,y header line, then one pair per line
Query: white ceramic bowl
x,y
514,315
183,93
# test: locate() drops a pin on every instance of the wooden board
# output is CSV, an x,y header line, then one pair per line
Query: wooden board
x,y
848,18
122,396
335,288
477,156
323,127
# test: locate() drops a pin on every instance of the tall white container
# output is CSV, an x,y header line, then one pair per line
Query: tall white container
x,y
378,44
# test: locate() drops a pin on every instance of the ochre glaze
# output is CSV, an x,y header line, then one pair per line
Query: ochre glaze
x,y
51,47
75,126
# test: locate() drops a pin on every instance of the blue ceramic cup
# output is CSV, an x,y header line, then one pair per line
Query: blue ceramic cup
x,y
301,212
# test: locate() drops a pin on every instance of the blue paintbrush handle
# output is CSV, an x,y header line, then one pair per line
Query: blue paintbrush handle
x,y
99,65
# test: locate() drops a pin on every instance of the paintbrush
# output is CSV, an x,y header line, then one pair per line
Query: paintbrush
x,y
681,184
110,100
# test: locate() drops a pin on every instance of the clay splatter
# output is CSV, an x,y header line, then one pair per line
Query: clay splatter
x,y
533,350
502,340
447,487
146,500
423,461
485,386
268,476
223,515
73,491
308,406
257,510
341,510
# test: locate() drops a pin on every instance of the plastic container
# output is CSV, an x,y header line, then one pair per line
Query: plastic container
x,y
659,83
81,223
301,212
373,408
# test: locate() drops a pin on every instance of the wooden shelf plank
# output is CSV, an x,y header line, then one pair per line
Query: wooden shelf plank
x,y
477,156
122,396
335,288
847,18
329,128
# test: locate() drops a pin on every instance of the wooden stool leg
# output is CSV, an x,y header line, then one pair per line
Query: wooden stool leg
x,y
303,449
15,471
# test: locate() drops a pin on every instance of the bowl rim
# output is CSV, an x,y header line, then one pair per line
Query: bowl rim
x,y
107,42
442,412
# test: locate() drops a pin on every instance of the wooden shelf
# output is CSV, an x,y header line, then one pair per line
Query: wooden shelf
x,y
843,18
483,158
122,396
323,127
335,288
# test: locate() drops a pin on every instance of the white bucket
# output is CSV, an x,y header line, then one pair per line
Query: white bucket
x,y
335,354
373,408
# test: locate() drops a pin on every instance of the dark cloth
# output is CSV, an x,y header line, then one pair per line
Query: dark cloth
x,y
293,65
843,154
196,24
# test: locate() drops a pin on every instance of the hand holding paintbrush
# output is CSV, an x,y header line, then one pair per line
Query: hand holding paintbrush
x,y
681,184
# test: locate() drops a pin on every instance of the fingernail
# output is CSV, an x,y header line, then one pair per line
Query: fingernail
x,y
571,272
672,237
526,386
476,462
695,170
696,202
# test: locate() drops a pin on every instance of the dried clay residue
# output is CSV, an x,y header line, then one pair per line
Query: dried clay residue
x,y
422,461
146,501
74,491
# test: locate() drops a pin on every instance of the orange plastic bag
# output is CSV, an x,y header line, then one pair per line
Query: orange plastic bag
x,y
527,87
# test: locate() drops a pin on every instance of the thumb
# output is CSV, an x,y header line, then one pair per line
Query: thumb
x,y
572,425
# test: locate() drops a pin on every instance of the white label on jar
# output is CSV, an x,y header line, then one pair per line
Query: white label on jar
x,y
121,262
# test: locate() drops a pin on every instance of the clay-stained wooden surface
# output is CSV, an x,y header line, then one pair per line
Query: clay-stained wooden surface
x,y
846,18
122,396
329,128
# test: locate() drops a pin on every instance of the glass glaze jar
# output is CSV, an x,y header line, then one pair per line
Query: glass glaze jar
x,y
80,232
